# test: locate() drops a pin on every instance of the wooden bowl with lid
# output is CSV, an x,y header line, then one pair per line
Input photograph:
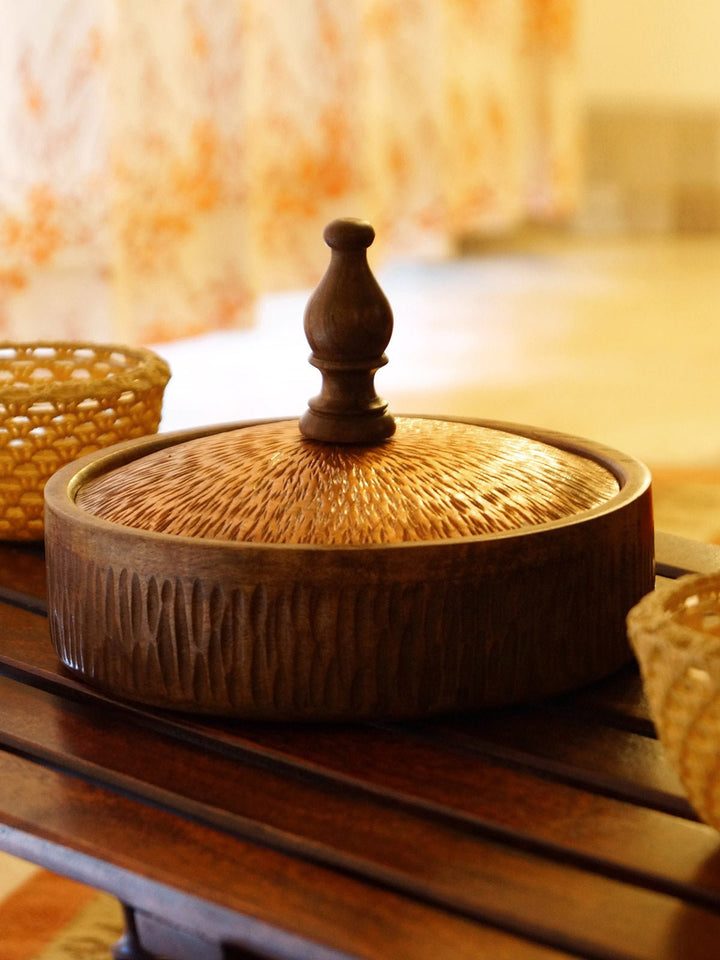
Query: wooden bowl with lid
x,y
350,564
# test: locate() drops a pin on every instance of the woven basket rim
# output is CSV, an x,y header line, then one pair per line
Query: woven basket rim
x,y
148,371
653,619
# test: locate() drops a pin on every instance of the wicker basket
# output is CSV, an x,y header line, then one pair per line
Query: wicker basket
x,y
60,400
675,632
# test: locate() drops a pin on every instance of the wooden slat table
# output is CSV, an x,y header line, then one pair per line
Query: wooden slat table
x,y
550,831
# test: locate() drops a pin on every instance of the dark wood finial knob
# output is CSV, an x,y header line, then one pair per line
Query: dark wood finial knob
x,y
348,324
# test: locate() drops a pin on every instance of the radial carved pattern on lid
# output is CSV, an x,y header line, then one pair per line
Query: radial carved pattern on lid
x,y
432,480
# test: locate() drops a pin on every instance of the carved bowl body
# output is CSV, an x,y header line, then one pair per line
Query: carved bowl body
x,y
323,632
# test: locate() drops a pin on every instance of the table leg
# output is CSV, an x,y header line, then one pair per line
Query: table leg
x,y
128,946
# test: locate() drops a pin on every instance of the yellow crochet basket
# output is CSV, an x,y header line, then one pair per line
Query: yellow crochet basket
x,y
675,632
59,401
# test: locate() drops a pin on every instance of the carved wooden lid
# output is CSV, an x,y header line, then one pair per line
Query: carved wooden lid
x,y
348,472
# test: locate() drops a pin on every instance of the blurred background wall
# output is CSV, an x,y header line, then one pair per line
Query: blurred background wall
x,y
650,88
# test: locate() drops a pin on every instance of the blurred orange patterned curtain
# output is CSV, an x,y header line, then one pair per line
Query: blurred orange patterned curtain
x,y
164,162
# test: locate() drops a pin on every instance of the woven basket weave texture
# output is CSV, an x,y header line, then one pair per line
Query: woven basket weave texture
x,y
675,632
59,401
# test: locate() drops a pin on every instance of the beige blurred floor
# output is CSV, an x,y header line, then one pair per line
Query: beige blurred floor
x,y
617,341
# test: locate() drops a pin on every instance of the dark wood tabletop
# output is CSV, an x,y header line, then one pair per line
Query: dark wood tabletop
x,y
554,830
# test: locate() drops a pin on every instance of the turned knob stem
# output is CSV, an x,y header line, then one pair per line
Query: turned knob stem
x,y
348,324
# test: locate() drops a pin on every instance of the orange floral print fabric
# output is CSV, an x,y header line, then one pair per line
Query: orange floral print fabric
x,y
164,163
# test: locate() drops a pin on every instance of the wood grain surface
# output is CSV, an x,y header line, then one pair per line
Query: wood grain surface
x,y
552,830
